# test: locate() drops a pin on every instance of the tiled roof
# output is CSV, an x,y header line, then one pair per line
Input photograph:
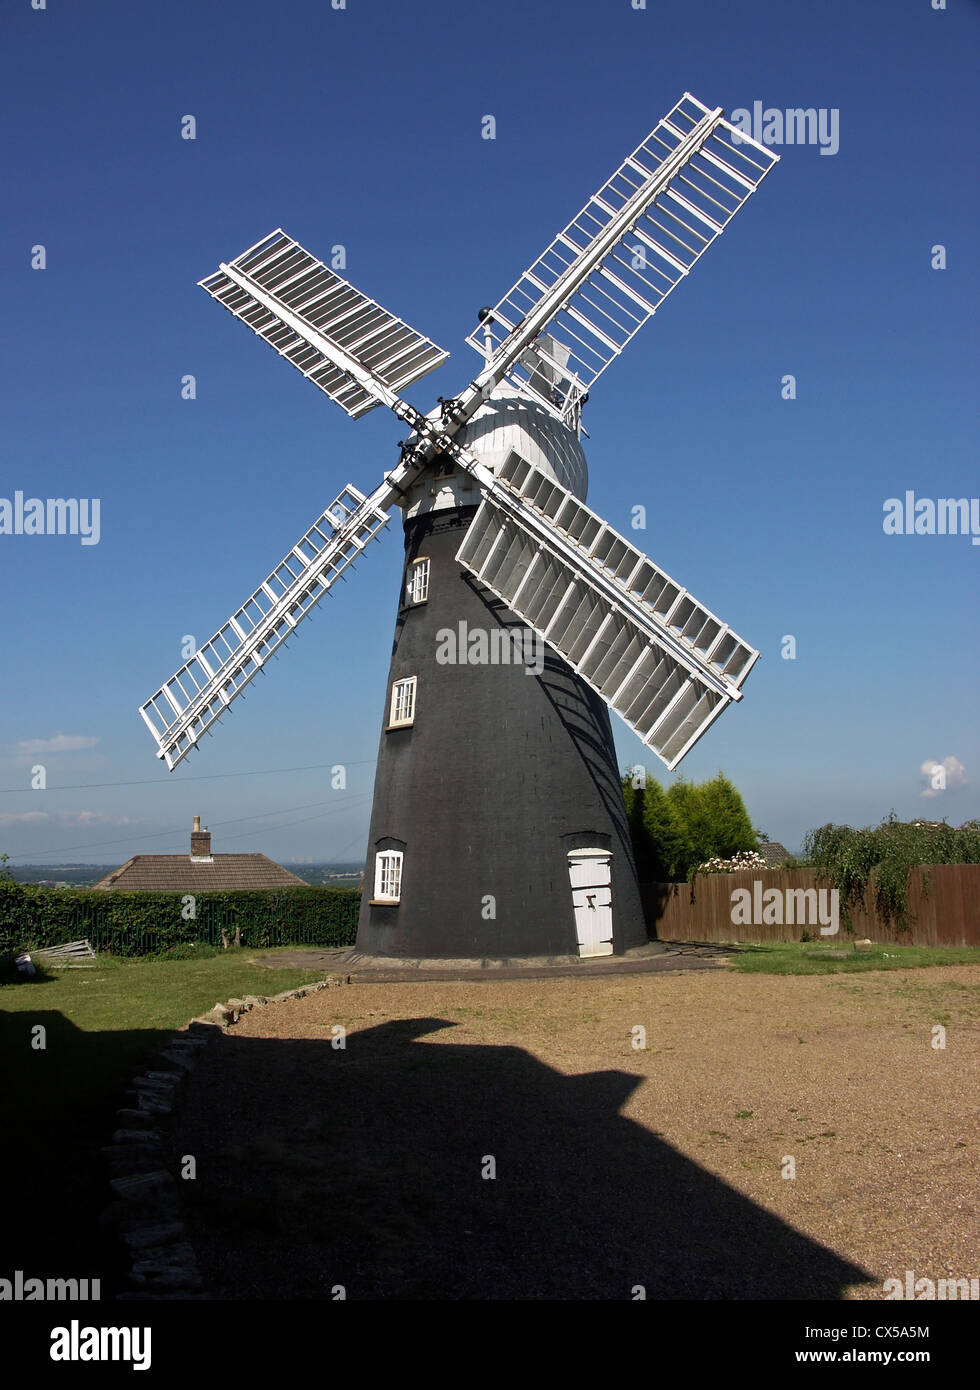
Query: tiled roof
x,y
774,853
178,873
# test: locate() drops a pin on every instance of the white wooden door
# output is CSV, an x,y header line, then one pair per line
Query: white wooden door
x,y
589,873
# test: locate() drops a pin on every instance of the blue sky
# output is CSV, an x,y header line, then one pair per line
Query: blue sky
x,y
362,127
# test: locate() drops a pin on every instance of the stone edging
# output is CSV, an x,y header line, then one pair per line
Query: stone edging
x,y
223,1015
146,1202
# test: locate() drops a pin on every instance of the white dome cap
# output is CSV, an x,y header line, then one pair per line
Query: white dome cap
x,y
509,423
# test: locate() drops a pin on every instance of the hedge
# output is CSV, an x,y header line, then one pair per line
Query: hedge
x,y
137,924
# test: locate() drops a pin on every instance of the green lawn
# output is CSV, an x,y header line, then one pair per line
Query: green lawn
x,y
59,1102
120,992
815,958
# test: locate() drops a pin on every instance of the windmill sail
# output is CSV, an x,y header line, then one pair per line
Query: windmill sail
x,y
656,655
199,693
615,263
355,351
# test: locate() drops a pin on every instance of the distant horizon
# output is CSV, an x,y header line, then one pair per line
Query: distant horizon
x,y
349,864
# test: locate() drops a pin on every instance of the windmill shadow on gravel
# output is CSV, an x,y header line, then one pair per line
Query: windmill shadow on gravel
x,y
363,1168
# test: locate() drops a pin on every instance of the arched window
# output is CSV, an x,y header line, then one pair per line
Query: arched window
x,y
388,875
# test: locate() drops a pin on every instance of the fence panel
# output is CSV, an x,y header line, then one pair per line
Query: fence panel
x,y
943,911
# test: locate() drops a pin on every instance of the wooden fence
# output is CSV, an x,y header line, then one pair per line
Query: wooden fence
x,y
943,911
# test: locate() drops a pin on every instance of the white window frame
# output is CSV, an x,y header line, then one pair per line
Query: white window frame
x,y
406,684
388,875
418,580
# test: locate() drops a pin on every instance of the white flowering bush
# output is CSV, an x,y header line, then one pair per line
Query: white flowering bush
x,y
745,859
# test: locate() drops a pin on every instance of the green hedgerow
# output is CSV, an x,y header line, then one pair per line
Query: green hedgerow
x,y
883,857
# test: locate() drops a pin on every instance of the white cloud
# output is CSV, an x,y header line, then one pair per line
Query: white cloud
x,y
63,818
92,818
942,775
59,743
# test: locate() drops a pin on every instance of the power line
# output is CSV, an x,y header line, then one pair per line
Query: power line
x,y
207,777
177,829
305,819
339,854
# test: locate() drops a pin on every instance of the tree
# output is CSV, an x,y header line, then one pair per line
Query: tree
x,y
693,811
670,845
730,828
635,799
674,831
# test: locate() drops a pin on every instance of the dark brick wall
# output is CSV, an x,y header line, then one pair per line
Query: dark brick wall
x,y
500,775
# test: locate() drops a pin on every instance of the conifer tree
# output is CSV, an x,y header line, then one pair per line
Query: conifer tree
x,y
674,831
731,830
669,842
635,798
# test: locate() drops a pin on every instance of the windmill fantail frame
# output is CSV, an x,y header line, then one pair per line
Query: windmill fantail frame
x,y
520,847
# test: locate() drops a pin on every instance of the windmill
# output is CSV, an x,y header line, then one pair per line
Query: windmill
x,y
498,827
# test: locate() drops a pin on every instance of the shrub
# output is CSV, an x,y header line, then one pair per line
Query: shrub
x,y
883,857
661,848
676,831
138,924
745,859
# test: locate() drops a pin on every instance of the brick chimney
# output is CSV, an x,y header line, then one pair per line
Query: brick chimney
x,y
200,841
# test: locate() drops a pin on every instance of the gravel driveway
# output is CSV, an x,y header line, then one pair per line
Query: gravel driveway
x,y
504,1139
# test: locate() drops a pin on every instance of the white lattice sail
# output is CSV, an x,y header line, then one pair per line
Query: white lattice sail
x,y
617,261
662,660
199,693
356,352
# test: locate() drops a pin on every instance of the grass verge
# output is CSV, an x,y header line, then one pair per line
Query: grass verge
x,y
120,993
816,958
99,1025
